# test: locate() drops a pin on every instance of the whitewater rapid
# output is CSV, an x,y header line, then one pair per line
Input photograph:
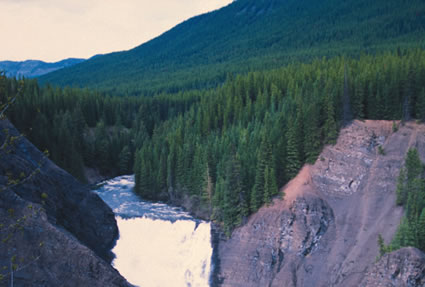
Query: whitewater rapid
x,y
159,245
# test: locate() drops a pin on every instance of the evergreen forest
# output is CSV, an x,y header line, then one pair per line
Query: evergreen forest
x,y
223,151
249,36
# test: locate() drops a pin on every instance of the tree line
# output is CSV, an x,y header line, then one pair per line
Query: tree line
x,y
229,153
411,195
81,128
224,152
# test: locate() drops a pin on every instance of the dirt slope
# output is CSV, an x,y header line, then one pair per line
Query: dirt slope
x,y
324,233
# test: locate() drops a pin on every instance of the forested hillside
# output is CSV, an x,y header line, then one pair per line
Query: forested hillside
x,y
83,128
251,35
232,151
223,151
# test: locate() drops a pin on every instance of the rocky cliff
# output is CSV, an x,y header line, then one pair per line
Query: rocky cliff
x,y
404,267
54,231
324,232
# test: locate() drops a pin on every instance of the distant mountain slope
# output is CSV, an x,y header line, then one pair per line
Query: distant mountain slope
x,y
34,68
247,35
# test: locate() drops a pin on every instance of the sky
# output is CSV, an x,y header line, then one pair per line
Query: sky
x,y
52,30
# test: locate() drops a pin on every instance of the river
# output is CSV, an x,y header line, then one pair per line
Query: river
x,y
159,245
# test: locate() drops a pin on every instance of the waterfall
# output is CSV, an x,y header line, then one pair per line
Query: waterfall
x,y
158,245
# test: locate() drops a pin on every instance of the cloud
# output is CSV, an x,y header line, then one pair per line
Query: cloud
x,y
52,30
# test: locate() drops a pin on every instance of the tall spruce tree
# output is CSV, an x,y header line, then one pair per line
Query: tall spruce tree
x,y
421,230
312,141
293,158
401,190
330,127
233,188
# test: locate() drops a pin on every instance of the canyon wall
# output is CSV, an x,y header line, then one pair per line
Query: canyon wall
x,y
324,232
54,230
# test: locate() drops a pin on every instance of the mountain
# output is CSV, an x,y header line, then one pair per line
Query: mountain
x,y
325,231
251,35
34,68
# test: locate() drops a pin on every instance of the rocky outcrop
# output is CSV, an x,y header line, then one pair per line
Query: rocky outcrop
x,y
402,268
268,250
55,232
324,232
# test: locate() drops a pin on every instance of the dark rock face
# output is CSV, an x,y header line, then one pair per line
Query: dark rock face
x,y
402,268
324,233
60,221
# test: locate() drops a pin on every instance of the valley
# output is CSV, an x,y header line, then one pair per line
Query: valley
x,y
266,143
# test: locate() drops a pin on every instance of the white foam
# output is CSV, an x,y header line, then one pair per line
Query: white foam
x,y
161,253
159,245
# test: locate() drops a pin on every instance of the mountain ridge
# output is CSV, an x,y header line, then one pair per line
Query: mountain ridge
x,y
35,68
249,35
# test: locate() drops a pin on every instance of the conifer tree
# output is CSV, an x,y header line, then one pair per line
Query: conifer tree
x,y
199,171
280,152
171,169
233,187
330,127
267,187
124,160
161,180
410,236
421,230
401,190
381,244
400,238
257,193
347,113
217,200
258,188
137,171
312,141
293,159
413,164
270,185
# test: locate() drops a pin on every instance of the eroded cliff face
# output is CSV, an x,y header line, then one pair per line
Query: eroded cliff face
x,y
402,268
54,231
324,232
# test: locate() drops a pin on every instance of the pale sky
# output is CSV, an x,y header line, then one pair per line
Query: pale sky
x,y
52,30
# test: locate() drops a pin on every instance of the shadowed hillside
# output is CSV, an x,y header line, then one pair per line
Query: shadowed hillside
x,y
53,230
